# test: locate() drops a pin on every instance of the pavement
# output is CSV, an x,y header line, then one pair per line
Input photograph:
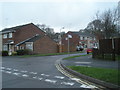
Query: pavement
x,y
90,62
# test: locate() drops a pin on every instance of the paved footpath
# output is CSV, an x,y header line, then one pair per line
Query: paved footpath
x,y
90,62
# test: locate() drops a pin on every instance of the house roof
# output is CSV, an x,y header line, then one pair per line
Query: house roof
x,y
32,39
12,29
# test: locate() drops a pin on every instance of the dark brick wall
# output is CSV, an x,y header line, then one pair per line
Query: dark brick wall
x,y
73,42
26,32
45,45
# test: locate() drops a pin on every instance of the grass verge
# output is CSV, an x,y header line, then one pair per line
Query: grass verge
x,y
50,54
75,56
104,74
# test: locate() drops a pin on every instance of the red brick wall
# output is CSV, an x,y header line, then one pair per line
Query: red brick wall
x,y
72,41
45,45
26,32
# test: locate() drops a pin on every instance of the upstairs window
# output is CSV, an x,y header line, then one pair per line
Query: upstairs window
x,y
10,35
4,36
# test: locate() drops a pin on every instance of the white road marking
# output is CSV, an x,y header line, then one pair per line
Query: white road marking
x,y
25,75
89,86
90,57
51,81
16,73
68,83
34,77
8,72
42,74
37,78
83,62
2,70
76,79
92,86
59,77
33,72
8,69
83,65
15,70
24,71
40,78
2,67
45,75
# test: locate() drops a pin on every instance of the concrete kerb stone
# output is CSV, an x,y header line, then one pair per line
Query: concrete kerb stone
x,y
90,79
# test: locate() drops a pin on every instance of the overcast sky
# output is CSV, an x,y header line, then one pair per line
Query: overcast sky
x,y
71,14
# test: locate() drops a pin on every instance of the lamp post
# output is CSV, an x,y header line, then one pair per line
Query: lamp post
x,y
69,36
61,40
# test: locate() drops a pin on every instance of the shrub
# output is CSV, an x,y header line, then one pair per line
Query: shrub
x,y
4,53
14,53
24,52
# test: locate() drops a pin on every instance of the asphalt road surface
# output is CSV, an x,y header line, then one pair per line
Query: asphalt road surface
x,y
35,72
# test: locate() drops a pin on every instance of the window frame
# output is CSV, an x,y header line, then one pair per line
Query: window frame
x,y
31,46
5,35
5,48
10,35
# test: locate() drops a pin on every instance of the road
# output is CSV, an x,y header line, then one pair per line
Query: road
x,y
35,72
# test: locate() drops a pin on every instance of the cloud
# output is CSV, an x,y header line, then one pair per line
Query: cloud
x,y
71,14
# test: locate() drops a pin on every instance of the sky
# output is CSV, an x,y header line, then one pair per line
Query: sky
x,y
73,15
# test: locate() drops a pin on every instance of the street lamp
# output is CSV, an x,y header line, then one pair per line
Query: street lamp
x,y
61,40
69,36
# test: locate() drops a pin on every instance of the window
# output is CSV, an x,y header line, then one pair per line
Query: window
x,y
85,38
10,35
21,47
81,38
29,45
4,35
5,47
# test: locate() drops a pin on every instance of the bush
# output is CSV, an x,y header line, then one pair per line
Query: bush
x,y
24,52
14,53
4,53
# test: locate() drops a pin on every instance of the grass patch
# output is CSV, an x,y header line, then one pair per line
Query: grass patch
x,y
75,56
50,54
104,74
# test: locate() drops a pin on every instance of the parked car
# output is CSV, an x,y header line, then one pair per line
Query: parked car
x,y
89,50
79,48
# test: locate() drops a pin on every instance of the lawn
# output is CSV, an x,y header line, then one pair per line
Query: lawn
x,y
75,56
104,74
50,54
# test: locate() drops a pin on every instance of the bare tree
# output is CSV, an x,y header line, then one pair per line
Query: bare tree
x,y
49,31
109,19
105,24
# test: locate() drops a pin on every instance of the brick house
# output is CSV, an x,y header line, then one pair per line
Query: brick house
x,y
27,36
78,38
